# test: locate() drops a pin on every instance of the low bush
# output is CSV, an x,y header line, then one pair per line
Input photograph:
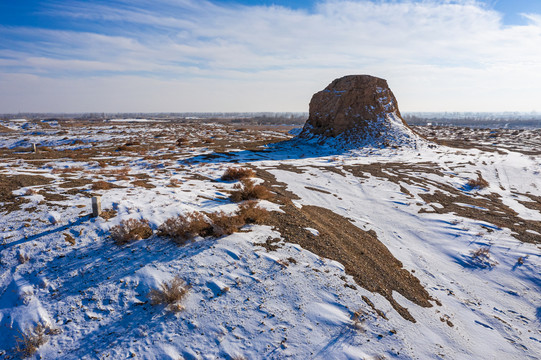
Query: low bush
x,y
131,230
232,174
69,239
248,190
170,294
481,257
183,228
482,252
67,170
108,214
478,183
23,258
30,192
29,342
359,318
182,141
251,213
175,182
225,224
101,185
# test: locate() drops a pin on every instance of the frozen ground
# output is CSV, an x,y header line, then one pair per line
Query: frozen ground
x,y
257,293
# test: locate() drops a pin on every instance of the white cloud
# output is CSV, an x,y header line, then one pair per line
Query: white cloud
x,y
197,56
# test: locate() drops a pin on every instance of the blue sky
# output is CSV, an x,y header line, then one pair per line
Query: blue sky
x,y
198,55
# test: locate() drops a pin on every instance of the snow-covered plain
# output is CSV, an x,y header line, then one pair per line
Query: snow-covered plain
x,y
247,301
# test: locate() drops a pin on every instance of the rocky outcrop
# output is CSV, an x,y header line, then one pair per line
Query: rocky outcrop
x,y
357,110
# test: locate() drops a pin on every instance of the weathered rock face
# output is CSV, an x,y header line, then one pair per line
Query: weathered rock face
x,y
357,108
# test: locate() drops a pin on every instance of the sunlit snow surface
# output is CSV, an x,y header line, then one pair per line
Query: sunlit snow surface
x,y
247,301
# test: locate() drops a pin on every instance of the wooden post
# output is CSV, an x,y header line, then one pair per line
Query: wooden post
x,y
96,206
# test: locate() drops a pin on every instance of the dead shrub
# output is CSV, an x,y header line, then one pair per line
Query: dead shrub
x,y
225,224
143,183
101,185
29,342
481,257
23,258
521,260
108,214
359,318
481,252
478,183
247,190
127,146
182,141
30,192
68,170
232,174
251,213
183,228
69,239
170,294
175,182
131,230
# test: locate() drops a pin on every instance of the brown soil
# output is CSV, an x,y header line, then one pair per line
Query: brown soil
x,y
75,183
527,142
10,183
535,204
497,212
143,183
364,257
4,129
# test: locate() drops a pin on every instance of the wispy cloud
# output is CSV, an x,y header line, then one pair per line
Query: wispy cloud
x,y
454,49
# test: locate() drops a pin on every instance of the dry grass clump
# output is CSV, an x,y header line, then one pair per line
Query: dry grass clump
x,y
247,190
232,174
23,258
29,342
251,213
225,224
481,257
182,141
30,192
175,182
482,252
359,318
143,183
183,228
120,173
68,170
108,214
127,146
101,185
170,294
69,239
131,230
478,183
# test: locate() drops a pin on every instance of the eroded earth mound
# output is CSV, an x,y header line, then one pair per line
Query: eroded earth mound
x,y
357,110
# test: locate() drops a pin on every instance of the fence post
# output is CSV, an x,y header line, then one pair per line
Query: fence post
x,y
96,206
